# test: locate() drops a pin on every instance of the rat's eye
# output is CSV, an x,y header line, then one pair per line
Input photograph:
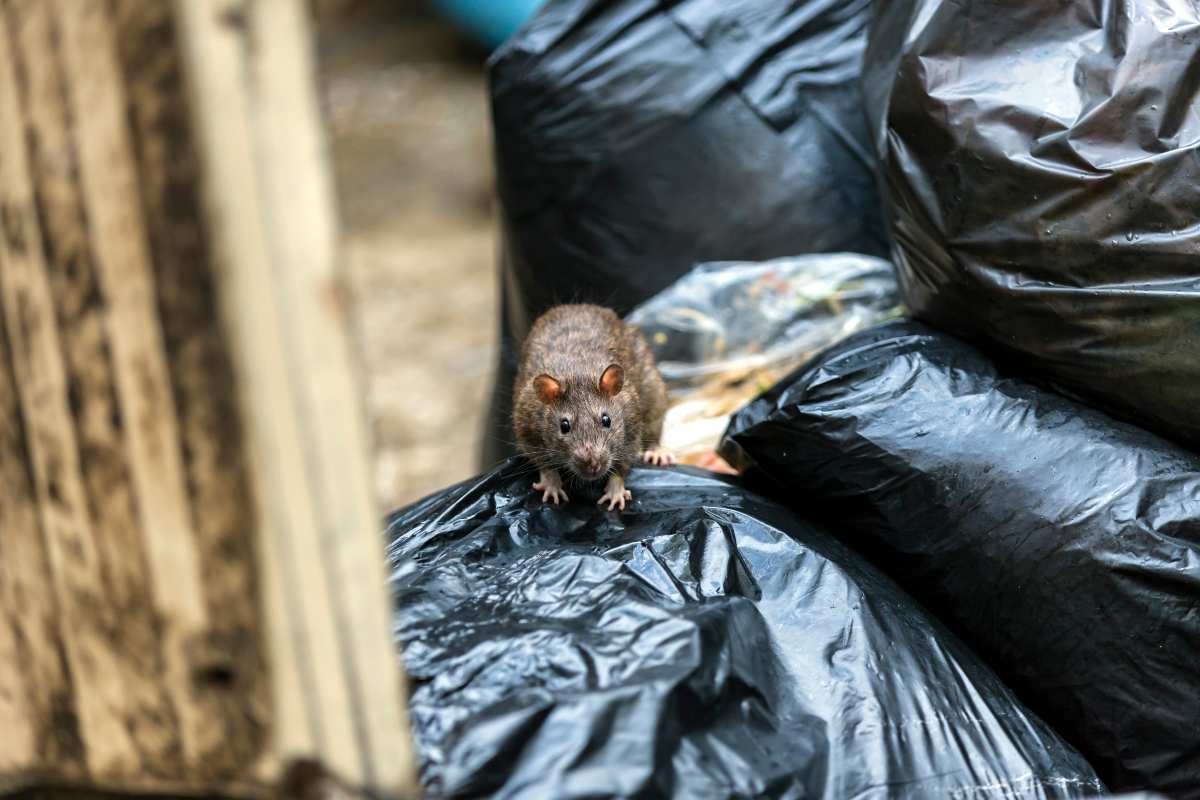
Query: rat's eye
x,y
564,425
606,420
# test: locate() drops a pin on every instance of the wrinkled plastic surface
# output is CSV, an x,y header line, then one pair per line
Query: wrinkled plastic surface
x,y
733,316
1042,167
635,139
726,331
706,643
1062,544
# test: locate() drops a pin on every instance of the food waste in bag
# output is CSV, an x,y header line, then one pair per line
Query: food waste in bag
x,y
704,643
726,332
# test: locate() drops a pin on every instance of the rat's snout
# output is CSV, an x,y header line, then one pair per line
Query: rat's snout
x,y
591,462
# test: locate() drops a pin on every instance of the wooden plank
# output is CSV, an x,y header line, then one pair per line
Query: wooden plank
x,y
230,662
97,105
269,200
300,619
192,584
301,223
37,709
96,670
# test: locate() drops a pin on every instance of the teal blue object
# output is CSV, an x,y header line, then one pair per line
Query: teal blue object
x,y
489,21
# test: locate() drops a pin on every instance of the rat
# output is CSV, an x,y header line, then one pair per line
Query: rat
x,y
588,400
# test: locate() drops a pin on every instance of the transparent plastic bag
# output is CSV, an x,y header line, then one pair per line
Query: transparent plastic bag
x,y
727,331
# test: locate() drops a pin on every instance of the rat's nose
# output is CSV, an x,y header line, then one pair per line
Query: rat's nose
x,y
590,463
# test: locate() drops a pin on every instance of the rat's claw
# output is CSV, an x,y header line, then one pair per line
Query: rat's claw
x,y
659,456
551,494
616,501
550,485
615,494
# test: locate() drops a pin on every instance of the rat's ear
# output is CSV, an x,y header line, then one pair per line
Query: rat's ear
x,y
612,380
548,390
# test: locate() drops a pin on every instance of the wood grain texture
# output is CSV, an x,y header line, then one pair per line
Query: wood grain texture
x,y
228,660
270,200
43,376
192,592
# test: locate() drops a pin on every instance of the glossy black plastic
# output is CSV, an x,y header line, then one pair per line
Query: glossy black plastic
x,y
1064,546
1041,164
635,139
706,643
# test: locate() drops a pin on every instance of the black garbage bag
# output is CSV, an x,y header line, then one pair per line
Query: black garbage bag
x,y
637,138
1042,170
705,644
1064,546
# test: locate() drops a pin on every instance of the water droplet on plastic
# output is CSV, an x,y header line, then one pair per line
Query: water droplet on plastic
x,y
1131,236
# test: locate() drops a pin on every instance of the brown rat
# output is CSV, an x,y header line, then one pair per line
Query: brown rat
x,y
588,401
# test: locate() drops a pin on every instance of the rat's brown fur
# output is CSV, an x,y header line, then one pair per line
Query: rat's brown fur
x,y
573,344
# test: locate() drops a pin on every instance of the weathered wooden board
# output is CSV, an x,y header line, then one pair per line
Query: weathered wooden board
x,y
191,579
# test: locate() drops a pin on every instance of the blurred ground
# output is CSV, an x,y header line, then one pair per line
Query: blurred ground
x,y
407,113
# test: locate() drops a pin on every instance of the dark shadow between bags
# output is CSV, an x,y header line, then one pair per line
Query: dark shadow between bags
x,y
707,643
1063,545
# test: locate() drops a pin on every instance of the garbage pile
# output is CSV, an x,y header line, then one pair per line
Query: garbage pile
x,y
962,555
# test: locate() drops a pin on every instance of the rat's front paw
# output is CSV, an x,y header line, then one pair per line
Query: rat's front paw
x,y
615,494
550,485
659,456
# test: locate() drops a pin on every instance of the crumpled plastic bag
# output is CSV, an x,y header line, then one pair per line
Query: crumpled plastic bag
x,y
727,331
1041,164
635,139
1063,545
706,643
